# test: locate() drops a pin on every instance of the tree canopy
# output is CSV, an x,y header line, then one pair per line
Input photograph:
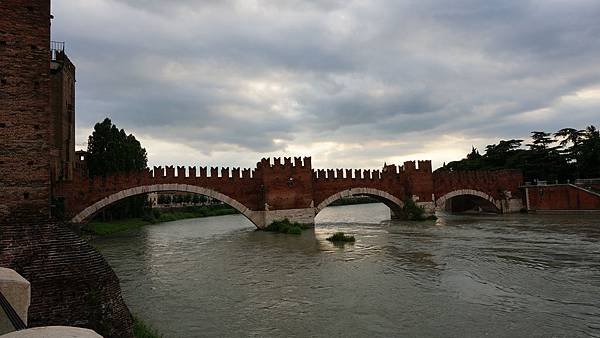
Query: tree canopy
x,y
565,155
111,150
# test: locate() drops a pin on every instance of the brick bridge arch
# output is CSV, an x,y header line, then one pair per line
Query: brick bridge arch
x,y
394,203
92,210
291,189
440,203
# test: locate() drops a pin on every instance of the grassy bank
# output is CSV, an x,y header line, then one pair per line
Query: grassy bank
x,y
143,330
103,228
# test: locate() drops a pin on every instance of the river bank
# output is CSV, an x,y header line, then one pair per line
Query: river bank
x,y
105,228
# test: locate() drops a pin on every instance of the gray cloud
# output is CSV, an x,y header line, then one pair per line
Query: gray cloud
x,y
268,76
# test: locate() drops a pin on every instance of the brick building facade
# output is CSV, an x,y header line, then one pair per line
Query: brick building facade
x,y
71,283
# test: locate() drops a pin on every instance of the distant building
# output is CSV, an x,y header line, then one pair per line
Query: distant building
x,y
176,199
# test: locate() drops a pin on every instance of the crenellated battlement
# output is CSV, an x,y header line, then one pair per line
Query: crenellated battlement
x,y
199,172
389,171
291,184
288,162
417,166
343,174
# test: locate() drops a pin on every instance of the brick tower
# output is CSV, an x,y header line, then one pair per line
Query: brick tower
x,y
25,128
71,283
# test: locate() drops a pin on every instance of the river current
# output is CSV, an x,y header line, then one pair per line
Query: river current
x,y
461,276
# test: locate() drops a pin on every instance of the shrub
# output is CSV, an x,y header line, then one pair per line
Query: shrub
x,y
286,227
143,330
413,212
341,237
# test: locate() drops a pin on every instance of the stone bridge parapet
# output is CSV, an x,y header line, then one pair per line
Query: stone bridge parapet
x,y
289,187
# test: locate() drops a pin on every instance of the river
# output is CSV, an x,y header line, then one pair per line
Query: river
x,y
474,276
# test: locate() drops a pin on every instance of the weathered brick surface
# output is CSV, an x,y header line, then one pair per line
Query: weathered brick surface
x,y
24,106
62,102
493,183
273,185
293,184
561,197
71,283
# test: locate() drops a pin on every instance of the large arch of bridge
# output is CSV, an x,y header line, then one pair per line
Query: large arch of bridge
x,y
90,211
440,203
388,199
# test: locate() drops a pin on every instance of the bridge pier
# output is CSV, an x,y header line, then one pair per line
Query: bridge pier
x,y
303,216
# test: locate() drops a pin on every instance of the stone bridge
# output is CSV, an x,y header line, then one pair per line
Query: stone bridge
x,y
291,189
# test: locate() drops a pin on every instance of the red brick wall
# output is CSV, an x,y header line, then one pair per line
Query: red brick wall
x,y
291,184
400,182
561,197
71,284
63,115
24,106
493,183
83,192
285,185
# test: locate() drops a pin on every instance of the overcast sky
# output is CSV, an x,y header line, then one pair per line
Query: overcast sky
x,y
352,83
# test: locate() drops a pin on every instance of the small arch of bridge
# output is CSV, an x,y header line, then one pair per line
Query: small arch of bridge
x,y
90,211
440,203
394,203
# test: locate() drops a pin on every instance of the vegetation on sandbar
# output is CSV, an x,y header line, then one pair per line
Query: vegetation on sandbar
x,y
413,212
341,237
286,227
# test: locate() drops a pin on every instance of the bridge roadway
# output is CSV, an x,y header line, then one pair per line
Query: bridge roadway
x,y
291,189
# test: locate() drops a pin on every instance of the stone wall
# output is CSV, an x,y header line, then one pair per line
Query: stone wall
x,y
563,197
24,106
285,185
71,283
62,102
493,183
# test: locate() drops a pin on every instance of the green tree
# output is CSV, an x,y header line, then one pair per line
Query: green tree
x,y
541,140
589,157
111,150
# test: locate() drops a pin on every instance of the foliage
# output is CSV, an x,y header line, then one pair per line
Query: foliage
x,y
286,227
104,228
111,150
567,154
341,237
143,330
413,212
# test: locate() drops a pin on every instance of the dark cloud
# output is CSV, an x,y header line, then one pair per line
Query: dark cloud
x,y
274,76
